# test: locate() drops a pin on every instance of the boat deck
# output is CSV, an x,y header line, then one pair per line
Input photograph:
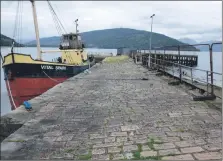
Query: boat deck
x,y
118,110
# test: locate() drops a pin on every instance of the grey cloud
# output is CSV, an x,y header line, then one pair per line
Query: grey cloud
x,y
198,20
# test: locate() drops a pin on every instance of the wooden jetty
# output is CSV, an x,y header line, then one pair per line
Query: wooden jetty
x,y
169,59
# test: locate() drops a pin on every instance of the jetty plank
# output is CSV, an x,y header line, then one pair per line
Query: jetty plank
x,y
86,116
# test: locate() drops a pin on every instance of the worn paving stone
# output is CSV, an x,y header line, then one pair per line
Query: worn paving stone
x,y
119,134
145,148
168,152
121,139
109,139
128,143
98,151
97,136
97,141
129,148
169,139
72,144
130,128
143,141
164,146
191,150
208,156
148,153
53,133
118,157
107,145
128,155
82,151
67,137
182,144
179,157
59,144
117,103
100,157
212,147
68,156
114,150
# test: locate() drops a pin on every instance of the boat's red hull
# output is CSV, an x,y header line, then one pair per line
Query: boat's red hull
x,y
24,89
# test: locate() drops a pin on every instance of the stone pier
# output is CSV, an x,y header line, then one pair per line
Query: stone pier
x,y
118,110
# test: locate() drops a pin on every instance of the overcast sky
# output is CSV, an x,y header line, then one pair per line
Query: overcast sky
x,y
201,21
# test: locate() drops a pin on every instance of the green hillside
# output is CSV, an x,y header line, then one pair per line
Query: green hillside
x,y
7,41
115,38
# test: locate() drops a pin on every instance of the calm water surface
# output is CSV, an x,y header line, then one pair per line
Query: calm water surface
x,y
203,63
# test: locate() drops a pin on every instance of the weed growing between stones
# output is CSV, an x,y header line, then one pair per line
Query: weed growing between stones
x,y
85,157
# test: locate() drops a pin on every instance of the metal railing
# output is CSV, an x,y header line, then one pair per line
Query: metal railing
x,y
161,64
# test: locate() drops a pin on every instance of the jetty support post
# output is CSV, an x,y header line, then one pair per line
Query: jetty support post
x,y
180,76
191,75
211,69
207,82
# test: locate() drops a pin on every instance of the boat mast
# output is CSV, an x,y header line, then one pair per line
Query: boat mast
x,y
76,25
39,54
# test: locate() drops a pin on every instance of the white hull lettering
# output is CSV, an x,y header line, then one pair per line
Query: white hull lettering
x,y
60,68
47,67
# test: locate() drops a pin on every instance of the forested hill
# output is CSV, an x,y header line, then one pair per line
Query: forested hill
x,y
7,41
116,38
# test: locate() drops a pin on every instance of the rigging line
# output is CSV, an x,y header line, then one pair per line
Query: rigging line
x,y
54,20
56,25
15,27
59,13
14,32
18,27
56,16
21,23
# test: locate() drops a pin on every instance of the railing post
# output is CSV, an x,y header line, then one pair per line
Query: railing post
x,y
149,59
191,73
207,82
179,63
211,70
164,61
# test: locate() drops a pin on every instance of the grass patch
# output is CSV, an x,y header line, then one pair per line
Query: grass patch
x,y
136,155
114,59
85,157
171,155
68,150
18,141
151,158
155,140
158,142
121,147
111,156
139,147
150,144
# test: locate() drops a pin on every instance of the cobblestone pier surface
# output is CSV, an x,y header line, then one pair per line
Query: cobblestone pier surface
x,y
112,113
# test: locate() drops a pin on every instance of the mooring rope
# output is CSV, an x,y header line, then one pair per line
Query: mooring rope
x,y
1,56
10,93
52,78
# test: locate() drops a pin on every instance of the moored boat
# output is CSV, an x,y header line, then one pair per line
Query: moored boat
x,y
27,78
